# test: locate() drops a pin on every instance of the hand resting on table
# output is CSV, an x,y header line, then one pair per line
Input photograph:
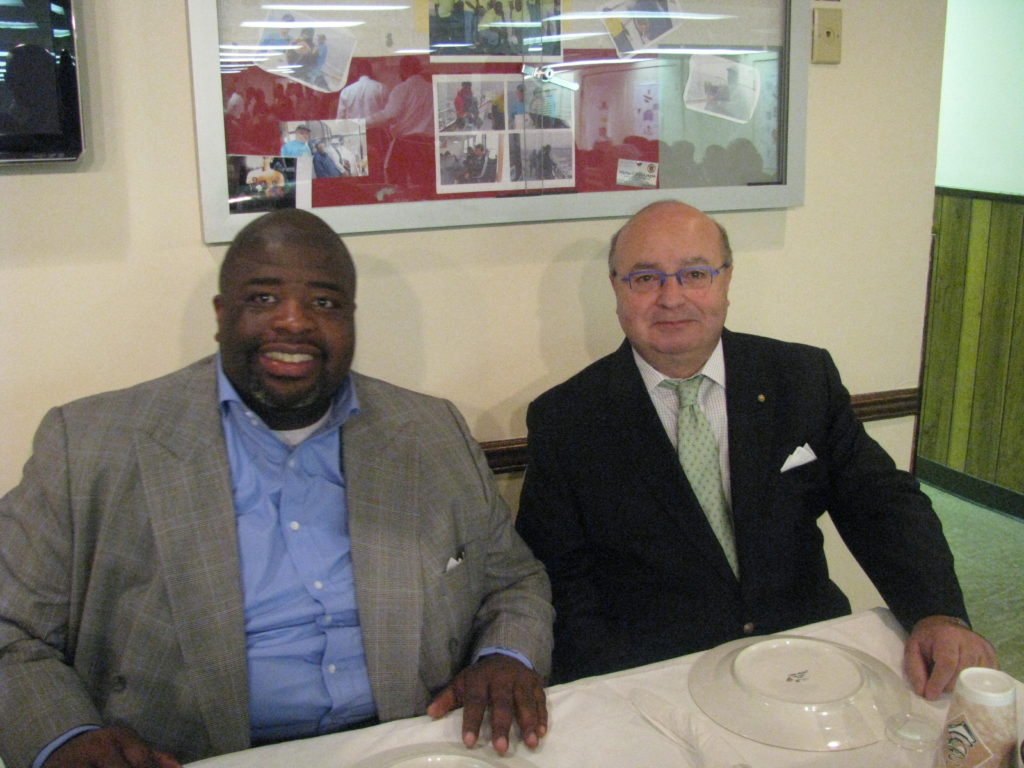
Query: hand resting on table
x,y
111,747
506,686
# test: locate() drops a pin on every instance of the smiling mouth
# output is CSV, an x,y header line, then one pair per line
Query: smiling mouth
x,y
289,357
288,365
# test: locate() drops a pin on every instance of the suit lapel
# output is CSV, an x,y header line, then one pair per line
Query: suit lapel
x,y
651,456
649,452
187,484
750,402
382,477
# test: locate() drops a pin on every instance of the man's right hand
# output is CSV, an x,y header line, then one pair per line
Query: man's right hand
x,y
113,747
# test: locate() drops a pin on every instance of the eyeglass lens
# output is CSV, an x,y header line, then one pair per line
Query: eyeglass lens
x,y
692,278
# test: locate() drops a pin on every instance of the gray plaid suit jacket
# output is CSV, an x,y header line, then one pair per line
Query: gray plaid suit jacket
x,y
120,597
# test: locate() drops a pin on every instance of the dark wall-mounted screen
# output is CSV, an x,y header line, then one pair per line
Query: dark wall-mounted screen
x,y
40,116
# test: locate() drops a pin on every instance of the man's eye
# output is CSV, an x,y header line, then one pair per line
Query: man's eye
x,y
695,275
262,298
323,302
645,277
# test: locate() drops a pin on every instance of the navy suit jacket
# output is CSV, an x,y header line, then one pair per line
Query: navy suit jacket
x,y
636,572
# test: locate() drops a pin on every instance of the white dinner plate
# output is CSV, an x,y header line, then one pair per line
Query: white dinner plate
x,y
798,692
441,755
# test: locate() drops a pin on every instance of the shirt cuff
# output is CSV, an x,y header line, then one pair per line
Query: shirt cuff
x,y
59,742
492,649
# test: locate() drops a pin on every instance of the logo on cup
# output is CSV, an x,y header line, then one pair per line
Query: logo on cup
x,y
960,740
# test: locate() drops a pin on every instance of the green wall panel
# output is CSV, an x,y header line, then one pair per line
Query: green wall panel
x,y
972,394
992,367
953,216
970,332
1010,470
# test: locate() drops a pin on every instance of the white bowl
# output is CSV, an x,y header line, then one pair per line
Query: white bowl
x,y
442,755
798,692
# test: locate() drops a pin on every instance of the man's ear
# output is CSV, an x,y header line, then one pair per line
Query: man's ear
x,y
218,311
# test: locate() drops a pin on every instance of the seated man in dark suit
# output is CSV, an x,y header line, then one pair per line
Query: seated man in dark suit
x,y
654,553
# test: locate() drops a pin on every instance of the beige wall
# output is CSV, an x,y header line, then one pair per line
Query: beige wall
x,y
107,280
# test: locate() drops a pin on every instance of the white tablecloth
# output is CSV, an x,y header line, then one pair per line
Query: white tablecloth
x,y
592,723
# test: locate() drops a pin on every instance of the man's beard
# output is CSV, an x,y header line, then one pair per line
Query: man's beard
x,y
272,402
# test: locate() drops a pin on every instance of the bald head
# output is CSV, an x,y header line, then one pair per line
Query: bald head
x,y
656,214
288,227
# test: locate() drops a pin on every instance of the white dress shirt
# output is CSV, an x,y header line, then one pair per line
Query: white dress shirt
x,y
361,98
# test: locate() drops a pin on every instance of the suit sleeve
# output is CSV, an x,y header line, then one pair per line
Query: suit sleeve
x,y
885,519
42,696
516,611
552,523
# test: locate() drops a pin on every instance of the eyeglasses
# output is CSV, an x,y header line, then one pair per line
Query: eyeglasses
x,y
689,278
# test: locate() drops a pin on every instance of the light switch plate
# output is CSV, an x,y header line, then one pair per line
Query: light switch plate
x,y
827,40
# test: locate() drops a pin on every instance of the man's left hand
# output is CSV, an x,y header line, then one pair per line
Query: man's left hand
x,y
506,686
938,648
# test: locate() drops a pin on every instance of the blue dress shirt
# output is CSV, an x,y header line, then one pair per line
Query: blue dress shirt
x,y
307,669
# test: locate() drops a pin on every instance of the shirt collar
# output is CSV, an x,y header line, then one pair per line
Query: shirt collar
x,y
344,404
714,369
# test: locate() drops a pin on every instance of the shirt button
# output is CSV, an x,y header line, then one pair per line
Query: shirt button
x,y
294,525
748,628
331,668
291,463
318,584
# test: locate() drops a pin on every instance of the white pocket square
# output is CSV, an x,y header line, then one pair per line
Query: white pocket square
x,y
455,562
799,457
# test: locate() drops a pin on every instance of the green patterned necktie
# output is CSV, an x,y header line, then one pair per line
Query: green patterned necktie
x,y
698,453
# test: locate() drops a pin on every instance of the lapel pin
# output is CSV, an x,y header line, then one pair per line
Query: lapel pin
x,y
760,398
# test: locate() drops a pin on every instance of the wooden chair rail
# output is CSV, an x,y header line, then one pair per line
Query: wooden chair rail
x,y
506,456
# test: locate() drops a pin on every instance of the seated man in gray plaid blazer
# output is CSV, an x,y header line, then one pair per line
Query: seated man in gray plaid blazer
x,y
264,545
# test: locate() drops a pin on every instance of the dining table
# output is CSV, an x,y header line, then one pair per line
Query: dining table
x,y
605,722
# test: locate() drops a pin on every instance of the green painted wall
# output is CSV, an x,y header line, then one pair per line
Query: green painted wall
x,y
981,117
